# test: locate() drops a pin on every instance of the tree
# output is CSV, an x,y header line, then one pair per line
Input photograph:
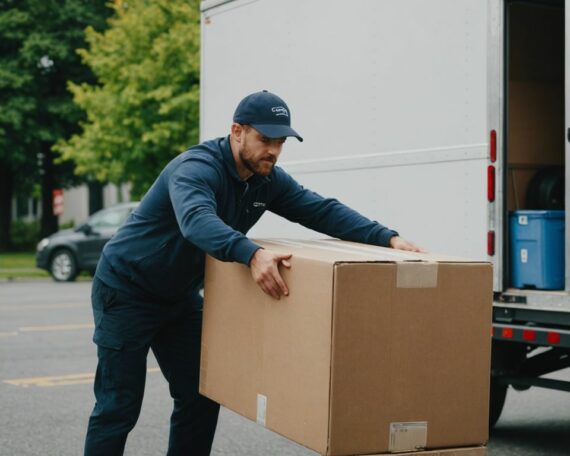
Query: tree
x,y
38,42
145,107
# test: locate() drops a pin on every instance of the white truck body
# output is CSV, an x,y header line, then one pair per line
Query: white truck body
x,y
431,117
396,100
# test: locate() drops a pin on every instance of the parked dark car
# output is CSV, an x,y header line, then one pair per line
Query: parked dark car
x,y
68,252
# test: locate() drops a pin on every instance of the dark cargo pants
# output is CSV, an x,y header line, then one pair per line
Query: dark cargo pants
x,y
125,328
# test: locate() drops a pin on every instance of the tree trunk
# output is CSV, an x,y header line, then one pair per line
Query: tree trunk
x,y
6,192
49,222
95,196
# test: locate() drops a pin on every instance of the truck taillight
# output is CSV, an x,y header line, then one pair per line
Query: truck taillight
x,y
553,338
529,335
491,243
491,183
493,146
507,333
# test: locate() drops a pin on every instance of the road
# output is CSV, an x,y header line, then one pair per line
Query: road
x,y
47,362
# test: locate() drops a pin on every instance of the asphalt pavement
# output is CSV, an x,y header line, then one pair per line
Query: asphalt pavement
x,y
47,362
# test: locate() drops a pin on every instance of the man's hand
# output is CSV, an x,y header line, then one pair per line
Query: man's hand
x,y
401,244
264,267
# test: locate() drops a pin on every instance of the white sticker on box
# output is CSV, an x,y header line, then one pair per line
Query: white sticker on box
x,y
261,409
524,256
411,436
523,220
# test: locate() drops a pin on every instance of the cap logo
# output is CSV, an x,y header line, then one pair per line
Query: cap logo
x,y
280,111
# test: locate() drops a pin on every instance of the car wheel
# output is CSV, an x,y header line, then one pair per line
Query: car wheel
x,y
63,267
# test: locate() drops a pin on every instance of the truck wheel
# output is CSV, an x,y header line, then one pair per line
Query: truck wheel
x,y
506,359
63,267
497,402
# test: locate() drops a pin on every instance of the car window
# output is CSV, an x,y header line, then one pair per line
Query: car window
x,y
110,218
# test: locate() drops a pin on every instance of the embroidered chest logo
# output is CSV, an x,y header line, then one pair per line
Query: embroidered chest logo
x,y
258,204
279,111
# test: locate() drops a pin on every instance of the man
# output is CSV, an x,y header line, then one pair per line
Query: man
x,y
146,290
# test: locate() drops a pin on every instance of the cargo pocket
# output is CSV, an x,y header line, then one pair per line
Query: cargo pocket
x,y
106,339
102,299
119,369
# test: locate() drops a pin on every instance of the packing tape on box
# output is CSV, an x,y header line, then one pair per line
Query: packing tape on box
x,y
364,251
411,272
368,249
417,275
261,409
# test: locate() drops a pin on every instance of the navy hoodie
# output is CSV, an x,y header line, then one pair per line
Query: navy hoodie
x,y
198,205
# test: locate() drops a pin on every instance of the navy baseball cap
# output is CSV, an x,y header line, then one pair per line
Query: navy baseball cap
x,y
267,113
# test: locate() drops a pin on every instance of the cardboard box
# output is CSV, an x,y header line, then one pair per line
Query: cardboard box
x,y
374,351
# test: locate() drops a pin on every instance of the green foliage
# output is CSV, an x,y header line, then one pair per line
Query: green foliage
x,y
38,42
66,225
145,108
25,235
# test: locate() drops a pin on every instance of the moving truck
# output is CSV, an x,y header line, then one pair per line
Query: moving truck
x,y
444,119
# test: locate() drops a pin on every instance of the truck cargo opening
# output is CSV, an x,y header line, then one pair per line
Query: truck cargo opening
x,y
535,146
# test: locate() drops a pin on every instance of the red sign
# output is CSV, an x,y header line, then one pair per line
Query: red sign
x,y
57,201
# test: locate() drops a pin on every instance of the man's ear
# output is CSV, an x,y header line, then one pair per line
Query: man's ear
x,y
237,131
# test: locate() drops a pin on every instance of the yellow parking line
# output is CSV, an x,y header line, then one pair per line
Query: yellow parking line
x,y
52,381
60,380
57,327
47,328
45,306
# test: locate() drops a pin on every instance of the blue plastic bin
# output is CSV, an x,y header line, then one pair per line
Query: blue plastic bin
x,y
537,249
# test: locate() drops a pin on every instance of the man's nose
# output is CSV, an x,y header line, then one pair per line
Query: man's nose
x,y
274,150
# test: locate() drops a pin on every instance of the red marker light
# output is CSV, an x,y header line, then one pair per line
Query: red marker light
x,y
529,335
491,243
493,146
553,338
491,183
507,333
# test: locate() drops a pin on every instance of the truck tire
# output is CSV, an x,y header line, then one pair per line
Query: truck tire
x,y
546,190
506,359
63,266
497,402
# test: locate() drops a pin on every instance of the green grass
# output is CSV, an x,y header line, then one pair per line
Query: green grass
x,y
17,260
20,265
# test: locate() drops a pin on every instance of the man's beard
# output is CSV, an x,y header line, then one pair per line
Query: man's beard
x,y
253,166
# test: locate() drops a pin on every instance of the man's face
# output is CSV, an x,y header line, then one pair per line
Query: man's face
x,y
259,153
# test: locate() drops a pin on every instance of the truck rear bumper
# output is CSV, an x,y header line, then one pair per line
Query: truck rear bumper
x,y
532,335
